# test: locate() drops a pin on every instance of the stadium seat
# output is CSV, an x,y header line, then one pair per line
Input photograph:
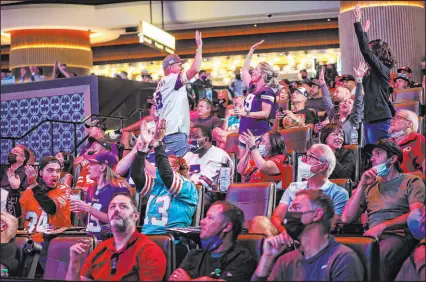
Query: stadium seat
x,y
231,145
298,139
357,157
409,94
199,211
410,105
253,199
421,129
167,243
20,242
253,242
58,255
344,183
367,249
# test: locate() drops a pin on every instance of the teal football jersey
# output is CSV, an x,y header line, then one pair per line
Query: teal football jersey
x,y
167,208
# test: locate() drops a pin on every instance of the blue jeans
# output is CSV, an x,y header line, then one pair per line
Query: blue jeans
x,y
375,132
177,143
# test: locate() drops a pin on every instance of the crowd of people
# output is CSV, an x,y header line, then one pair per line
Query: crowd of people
x,y
177,150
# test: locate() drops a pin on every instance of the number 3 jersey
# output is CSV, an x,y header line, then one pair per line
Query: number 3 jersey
x,y
171,102
167,208
99,199
37,220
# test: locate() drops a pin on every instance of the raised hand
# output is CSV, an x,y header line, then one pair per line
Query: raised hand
x,y
248,138
23,72
14,180
79,251
275,245
366,26
161,130
368,177
321,76
198,39
361,70
146,134
357,14
31,173
252,48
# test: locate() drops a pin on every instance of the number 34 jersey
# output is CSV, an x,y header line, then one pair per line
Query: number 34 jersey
x,y
167,208
37,220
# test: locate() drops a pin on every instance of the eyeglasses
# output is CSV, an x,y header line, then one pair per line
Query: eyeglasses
x,y
400,118
307,158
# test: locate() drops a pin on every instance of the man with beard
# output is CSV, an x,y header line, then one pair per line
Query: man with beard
x,y
129,255
45,204
319,257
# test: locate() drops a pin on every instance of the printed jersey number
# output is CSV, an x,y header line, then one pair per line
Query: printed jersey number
x,y
158,100
94,224
34,222
248,101
163,203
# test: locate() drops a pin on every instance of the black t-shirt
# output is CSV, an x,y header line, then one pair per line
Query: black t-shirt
x,y
236,265
221,110
211,122
61,75
4,180
308,116
8,257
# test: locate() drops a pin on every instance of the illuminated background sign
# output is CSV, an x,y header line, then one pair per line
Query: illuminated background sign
x,y
156,38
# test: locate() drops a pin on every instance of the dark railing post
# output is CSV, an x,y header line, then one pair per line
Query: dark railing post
x,y
13,143
51,138
121,123
75,140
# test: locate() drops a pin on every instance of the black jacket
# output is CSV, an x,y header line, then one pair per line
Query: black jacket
x,y
345,165
377,106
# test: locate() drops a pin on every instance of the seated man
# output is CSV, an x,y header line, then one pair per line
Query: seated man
x,y
319,257
205,160
129,255
205,117
221,256
388,196
414,268
36,74
403,131
401,82
96,130
9,226
316,167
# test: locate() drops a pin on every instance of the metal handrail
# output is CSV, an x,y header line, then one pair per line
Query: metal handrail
x,y
74,123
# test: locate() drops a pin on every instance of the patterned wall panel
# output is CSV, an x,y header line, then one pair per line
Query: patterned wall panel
x,y
19,116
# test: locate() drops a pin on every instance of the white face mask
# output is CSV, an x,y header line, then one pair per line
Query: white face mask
x,y
397,134
262,150
305,172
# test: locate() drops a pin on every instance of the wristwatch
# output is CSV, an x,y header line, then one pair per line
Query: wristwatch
x,y
252,148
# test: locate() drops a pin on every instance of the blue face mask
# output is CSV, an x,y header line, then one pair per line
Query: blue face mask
x,y
383,169
212,243
262,150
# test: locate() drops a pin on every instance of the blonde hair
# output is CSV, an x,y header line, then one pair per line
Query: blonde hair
x,y
12,225
267,69
112,177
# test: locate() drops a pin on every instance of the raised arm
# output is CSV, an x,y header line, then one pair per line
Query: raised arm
x,y
357,109
326,98
196,64
246,66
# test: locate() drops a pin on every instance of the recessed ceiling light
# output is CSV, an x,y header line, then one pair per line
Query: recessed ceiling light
x,y
255,25
328,20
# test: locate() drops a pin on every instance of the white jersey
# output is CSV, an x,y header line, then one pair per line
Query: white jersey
x,y
209,165
171,102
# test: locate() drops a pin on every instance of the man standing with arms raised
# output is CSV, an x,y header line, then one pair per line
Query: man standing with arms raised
x,y
171,99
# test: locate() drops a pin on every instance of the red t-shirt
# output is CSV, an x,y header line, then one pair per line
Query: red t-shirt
x,y
140,260
413,149
285,175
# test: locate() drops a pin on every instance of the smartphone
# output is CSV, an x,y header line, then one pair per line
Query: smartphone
x,y
281,110
194,168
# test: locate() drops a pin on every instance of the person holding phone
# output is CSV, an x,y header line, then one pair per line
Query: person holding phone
x,y
388,196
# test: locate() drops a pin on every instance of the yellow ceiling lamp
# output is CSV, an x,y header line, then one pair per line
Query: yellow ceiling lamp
x,y
43,47
350,5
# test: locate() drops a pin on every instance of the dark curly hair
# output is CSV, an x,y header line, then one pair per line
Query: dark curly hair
x,y
383,52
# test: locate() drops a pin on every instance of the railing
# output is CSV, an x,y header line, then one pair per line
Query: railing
x,y
74,123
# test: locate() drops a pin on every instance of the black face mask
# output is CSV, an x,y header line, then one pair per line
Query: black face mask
x,y
294,225
304,77
238,76
11,158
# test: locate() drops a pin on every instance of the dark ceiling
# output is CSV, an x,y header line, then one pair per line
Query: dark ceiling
x,y
82,2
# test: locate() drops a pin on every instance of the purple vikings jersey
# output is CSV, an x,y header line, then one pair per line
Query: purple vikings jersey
x,y
99,199
253,103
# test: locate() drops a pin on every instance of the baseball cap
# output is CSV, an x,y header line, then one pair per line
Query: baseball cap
x,y
107,158
172,59
301,90
95,123
404,68
104,144
316,82
307,82
402,76
347,77
416,223
389,147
